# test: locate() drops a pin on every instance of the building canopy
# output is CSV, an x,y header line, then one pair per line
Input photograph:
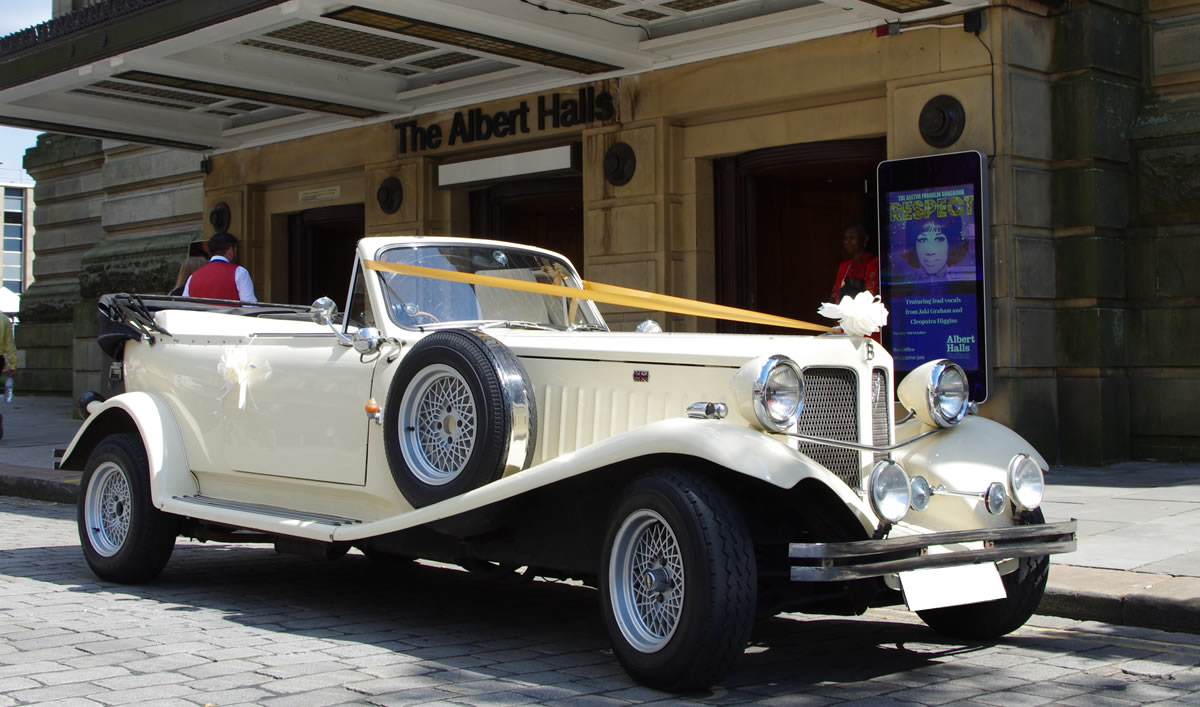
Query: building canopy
x,y
227,74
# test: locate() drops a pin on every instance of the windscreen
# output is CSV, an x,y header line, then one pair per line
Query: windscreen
x,y
420,301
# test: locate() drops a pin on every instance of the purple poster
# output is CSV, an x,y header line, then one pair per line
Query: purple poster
x,y
931,278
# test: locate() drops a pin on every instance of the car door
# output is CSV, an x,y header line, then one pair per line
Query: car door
x,y
302,412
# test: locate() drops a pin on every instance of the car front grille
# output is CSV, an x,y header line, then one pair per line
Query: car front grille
x,y
831,411
881,405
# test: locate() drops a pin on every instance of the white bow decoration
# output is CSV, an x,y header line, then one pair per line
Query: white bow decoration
x,y
235,367
860,315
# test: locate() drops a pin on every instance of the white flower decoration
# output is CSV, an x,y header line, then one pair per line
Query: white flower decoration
x,y
861,315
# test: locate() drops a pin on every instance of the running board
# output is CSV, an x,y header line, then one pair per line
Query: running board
x,y
257,516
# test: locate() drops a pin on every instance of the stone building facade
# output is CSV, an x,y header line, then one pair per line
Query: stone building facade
x,y
1089,114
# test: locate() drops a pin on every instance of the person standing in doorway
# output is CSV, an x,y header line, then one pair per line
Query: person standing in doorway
x,y
8,361
222,278
860,270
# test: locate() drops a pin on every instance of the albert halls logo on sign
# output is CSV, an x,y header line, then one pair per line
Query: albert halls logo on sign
x,y
473,125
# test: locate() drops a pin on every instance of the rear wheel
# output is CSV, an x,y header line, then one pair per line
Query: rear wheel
x,y
678,581
992,619
124,537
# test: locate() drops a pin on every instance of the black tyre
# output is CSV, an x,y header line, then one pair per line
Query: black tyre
x,y
459,413
677,582
124,537
992,619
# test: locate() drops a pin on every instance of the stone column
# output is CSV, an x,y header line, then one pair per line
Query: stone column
x,y
1163,247
69,194
1098,69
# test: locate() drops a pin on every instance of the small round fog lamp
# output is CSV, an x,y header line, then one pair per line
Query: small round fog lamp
x,y
921,493
996,498
1026,481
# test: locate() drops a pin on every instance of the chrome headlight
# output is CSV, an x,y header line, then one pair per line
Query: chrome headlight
x,y
771,391
1026,481
937,392
889,491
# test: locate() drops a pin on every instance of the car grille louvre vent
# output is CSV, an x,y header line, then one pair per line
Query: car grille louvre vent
x,y
831,411
881,403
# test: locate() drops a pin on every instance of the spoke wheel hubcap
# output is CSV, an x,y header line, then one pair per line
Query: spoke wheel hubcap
x,y
108,509
439,424
646,581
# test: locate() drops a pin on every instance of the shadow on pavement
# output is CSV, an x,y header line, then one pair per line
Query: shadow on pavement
x,y
452,620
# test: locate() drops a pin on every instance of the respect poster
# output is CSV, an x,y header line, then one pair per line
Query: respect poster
x,y
930,276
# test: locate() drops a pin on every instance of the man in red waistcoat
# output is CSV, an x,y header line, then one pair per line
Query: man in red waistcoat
x,y
222,278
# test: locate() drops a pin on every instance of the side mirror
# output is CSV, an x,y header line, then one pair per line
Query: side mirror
x,y
649,326
322,311
367,340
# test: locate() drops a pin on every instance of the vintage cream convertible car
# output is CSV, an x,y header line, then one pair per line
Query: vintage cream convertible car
x,y
473,407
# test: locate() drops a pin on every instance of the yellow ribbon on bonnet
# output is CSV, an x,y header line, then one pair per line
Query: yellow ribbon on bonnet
x,y
604,294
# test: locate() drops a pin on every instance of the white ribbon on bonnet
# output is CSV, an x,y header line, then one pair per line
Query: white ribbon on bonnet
x,y
860,315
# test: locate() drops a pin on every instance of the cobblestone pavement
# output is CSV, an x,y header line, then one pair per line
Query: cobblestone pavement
x,y
239,624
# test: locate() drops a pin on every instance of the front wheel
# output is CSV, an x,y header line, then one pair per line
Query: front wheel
x,y
124,537
992,619
678,582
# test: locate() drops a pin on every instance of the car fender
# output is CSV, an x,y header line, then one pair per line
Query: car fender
x,y
740,449
965,458
150,417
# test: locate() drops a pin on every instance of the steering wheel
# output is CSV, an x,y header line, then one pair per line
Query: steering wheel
x,y
432,319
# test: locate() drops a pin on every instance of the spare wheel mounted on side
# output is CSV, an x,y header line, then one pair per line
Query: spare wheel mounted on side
x,y
460,414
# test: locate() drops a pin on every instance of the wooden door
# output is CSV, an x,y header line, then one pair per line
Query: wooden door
x,y
780,217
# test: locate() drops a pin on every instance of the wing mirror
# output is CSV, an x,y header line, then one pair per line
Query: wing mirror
x,y
322,312
367,340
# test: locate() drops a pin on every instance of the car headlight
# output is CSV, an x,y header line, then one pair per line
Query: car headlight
x,y
995,499
921,493
770,390
889,491
937,392
1026,481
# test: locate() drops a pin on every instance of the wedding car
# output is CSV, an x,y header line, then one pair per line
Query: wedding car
x,y
471,406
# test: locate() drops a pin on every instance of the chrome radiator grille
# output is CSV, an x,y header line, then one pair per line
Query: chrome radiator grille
x,y
881,405
831,411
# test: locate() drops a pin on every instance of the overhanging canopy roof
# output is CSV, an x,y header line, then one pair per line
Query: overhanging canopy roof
x,y
225,74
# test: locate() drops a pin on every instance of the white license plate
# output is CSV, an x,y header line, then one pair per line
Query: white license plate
x,y
935,587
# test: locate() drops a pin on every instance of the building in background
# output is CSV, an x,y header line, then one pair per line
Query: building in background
x,y
711,149
17,270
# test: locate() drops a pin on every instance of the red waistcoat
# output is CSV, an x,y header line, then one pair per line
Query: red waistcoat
x,y
214,281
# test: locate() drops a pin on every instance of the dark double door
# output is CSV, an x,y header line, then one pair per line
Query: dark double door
x,y
321,246
780,217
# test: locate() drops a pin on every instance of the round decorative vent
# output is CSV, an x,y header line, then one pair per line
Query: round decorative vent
x,y
619,164
390,195
942,120
219,217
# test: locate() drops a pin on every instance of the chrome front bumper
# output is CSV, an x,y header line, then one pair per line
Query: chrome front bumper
x,y
831,562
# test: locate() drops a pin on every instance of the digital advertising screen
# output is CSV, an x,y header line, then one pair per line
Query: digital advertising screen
x,y
933,232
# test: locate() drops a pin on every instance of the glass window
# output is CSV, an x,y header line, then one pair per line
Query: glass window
x,y
12,258
13,285
12,243
11,231
13,191
414,300
14,217
14,203
360,314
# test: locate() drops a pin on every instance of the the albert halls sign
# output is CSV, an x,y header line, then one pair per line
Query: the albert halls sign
x,y
473,125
